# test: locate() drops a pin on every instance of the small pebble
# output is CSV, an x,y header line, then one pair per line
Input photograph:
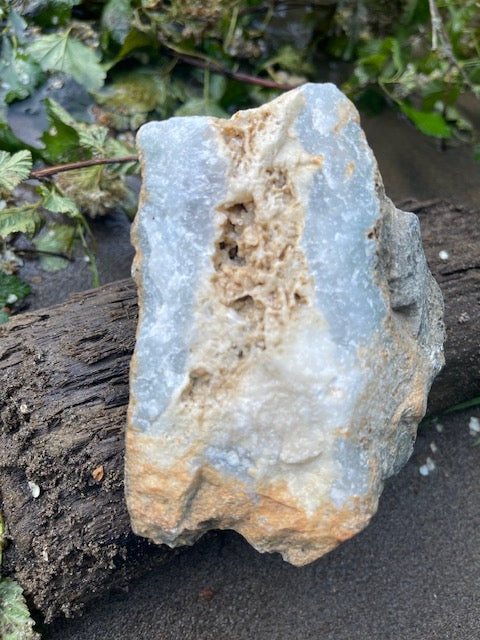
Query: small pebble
x,y
427,468
34,488
443,255
474,426
12,298
433,447
57,83
207,593
439,427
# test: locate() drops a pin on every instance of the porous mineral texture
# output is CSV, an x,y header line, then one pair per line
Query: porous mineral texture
x,y
289,328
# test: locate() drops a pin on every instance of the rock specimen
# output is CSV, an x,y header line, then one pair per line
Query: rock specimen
x,y
289,328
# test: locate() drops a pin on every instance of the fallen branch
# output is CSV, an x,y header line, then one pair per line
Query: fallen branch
x,y
63,403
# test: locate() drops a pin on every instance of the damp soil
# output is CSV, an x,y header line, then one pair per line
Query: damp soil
x,y
413,573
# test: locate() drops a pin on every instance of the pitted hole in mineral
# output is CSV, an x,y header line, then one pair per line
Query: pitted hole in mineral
x,y
244,305
230,244
197,378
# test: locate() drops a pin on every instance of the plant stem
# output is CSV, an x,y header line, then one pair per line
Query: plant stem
x,y
71,166
88,251
231,29
43,252
234,75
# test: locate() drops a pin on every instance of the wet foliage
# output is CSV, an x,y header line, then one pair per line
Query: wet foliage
x,y
137,60
15,620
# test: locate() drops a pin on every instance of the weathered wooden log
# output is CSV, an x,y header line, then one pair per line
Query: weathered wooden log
x,y
63,400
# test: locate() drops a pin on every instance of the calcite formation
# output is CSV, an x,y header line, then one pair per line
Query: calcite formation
x,y
289,328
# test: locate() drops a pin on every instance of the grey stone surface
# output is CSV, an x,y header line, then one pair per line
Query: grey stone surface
x,y
289,329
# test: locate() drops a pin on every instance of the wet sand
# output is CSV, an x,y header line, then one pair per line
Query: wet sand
x,y
414,573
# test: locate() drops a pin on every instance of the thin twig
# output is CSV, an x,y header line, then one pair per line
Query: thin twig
x,y
234,75
436,22
50,171
42,252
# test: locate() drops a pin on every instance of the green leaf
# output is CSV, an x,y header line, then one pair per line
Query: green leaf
x,y
14,168
96,190
438,90
59,238
60,52
62,143
4,317
68,140
131,96
20,74
397,55
58,203
201,107
16,25
290,59
135,40
53,13
10,142
115,148
374,63
12,289
82,183
411,7
24,219
93,137
56,113
428,122
116,18
15,620
217,87
464,405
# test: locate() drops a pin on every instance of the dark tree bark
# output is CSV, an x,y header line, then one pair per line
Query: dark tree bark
x,y
456,231
63,400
